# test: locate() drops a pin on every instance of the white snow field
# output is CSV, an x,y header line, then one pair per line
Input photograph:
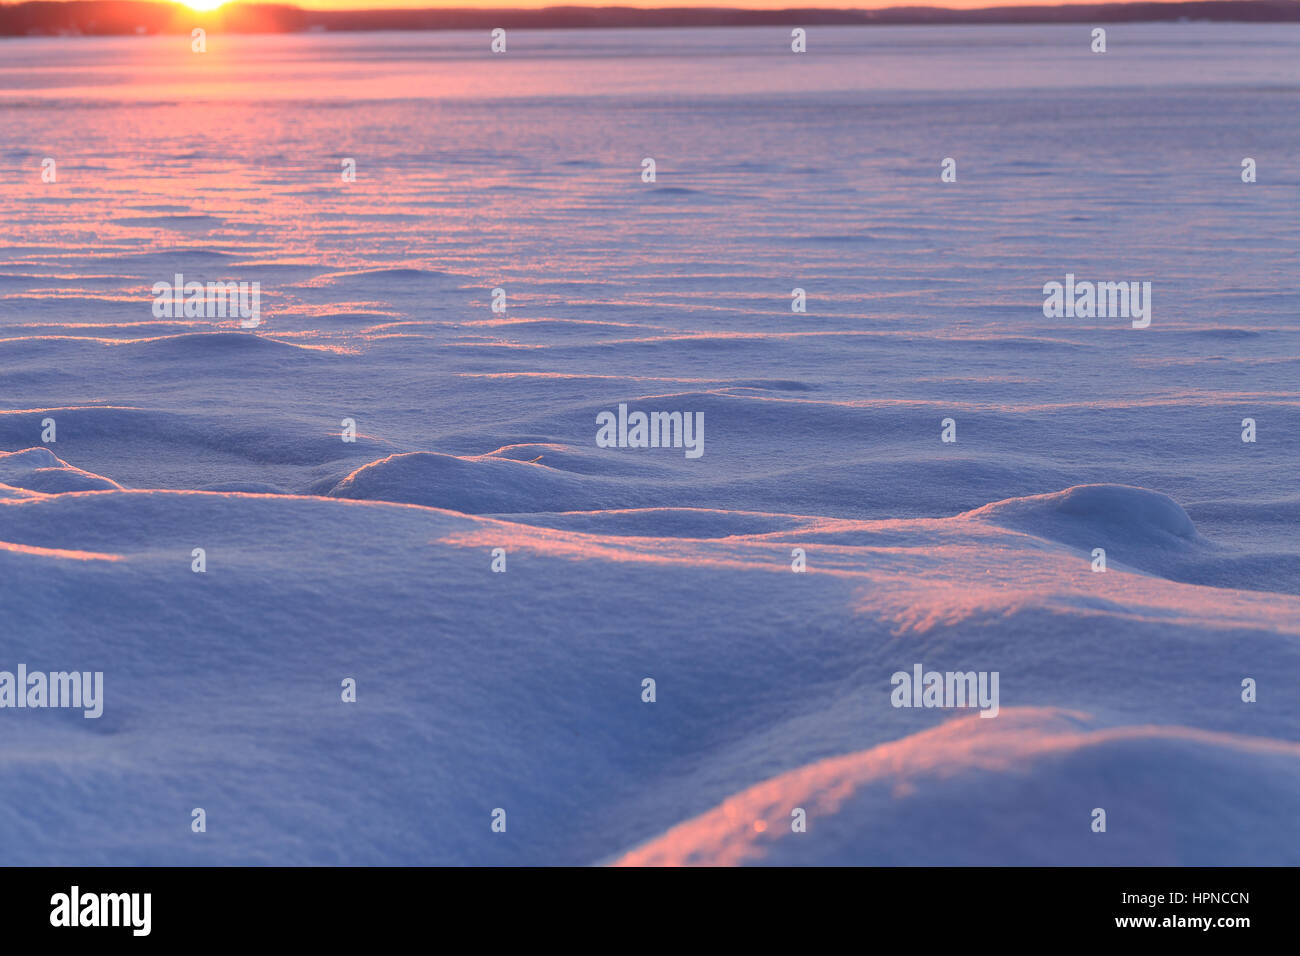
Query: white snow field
x,y
476,691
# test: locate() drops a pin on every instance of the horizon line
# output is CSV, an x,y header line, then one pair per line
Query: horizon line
x,y
126,17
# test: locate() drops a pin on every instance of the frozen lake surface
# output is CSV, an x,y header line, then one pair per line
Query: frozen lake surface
x,y
477,429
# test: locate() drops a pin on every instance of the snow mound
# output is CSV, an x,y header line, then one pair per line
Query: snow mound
x,y
1022,790
476,485
581,461
188,449
19,462
1138,526
1138,514
40,470
207,346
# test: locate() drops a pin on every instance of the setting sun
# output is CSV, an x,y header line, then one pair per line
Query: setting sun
x,y
203,5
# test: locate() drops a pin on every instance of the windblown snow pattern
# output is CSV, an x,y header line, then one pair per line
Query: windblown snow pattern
x,y
475,430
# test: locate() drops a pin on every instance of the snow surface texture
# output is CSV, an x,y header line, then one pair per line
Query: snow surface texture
x,y
476,430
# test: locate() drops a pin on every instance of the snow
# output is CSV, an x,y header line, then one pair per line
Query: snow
x,y
328,559
945,794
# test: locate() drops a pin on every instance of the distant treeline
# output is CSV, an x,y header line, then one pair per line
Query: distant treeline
x,y
114,17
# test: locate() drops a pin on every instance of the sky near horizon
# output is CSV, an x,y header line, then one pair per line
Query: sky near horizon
x,y
734,4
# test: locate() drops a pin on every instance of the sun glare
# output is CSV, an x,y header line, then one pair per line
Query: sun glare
x,y
203,5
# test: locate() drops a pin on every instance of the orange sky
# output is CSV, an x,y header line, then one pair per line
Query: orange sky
x,y
644,4
743,4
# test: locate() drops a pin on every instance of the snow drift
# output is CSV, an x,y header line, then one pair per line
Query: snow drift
x,y
222,689
188,442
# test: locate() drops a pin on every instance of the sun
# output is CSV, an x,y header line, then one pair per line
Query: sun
x,y
203,6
